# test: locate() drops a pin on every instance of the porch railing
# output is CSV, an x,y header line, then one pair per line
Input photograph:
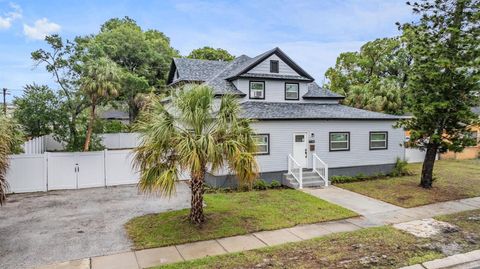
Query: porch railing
x,y
321,168
295,170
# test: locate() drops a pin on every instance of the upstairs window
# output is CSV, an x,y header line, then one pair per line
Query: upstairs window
x,y
378,140
291,91
339,141
262,141
257,89
273,66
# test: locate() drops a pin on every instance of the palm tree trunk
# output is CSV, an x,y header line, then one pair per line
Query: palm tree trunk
x,y
427,169
196,210
88,137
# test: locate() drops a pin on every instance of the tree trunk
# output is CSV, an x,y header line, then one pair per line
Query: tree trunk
x,y
86,146
196,210
427,169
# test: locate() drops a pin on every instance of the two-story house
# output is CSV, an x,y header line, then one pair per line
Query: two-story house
x,y
303,133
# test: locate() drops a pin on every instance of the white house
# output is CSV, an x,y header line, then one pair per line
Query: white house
x,y
299,124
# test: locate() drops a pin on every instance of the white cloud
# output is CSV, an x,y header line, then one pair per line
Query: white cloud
x,y
40,29
7,19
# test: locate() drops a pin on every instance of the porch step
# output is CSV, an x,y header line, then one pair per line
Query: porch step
x,y
310,180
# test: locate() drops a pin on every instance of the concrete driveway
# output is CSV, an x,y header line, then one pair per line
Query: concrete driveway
x,y
41,228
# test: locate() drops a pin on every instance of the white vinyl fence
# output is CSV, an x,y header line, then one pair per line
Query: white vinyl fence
x,y
36,145
70,170
415,155
45,143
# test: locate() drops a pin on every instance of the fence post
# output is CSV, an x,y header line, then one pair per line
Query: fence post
x,y
105,151
45,173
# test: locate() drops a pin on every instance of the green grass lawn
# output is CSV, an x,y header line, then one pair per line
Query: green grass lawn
x,y
454,180
380,247
229,214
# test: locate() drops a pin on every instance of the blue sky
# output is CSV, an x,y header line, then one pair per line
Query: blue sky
x,y
313,33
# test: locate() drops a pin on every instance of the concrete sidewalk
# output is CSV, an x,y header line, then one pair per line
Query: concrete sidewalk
x,y
164,255
359,203
469,260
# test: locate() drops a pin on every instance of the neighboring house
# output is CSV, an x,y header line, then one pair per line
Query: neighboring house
x,y
115,114
469,152
298,123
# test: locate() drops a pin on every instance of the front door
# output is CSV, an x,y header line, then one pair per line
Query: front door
x,y
300,148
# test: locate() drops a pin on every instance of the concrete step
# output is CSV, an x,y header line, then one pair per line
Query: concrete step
x,y
291,182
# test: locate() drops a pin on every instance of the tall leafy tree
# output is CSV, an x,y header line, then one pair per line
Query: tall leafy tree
x,y
37,110
144,55
375,78
99,82
64,62
444,78
209,53
193,135
11,137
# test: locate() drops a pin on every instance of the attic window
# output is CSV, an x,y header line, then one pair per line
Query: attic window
x,y
273,66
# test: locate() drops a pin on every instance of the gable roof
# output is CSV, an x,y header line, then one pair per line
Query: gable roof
x,y
241,71
309,111
219,74
314,91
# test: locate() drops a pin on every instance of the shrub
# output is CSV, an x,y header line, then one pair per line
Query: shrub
x,y
400,169
342,179
361,176
260,184
275,184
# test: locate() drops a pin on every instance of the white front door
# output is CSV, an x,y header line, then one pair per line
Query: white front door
x,y
300,148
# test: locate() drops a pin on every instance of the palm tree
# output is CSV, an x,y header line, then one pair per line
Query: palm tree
x,y
193,134
99,81
10,140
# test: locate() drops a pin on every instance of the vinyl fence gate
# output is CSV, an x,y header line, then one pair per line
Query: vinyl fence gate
x,y
70,170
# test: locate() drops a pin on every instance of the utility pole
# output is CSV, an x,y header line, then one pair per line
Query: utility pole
x,y
5,101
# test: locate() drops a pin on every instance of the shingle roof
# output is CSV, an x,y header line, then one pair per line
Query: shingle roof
x,y
294,111
197,70
315,91
243,69
218,74
114,114
219,83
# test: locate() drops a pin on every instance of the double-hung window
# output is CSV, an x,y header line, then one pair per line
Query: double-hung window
x,y
291,91
339,141
257,89
378,140
262,141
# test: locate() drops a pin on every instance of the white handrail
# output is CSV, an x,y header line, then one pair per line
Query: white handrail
x,y
321,168
292,165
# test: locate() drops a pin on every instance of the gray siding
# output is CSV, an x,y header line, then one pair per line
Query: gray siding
x,y
264,67
281,142
275,91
